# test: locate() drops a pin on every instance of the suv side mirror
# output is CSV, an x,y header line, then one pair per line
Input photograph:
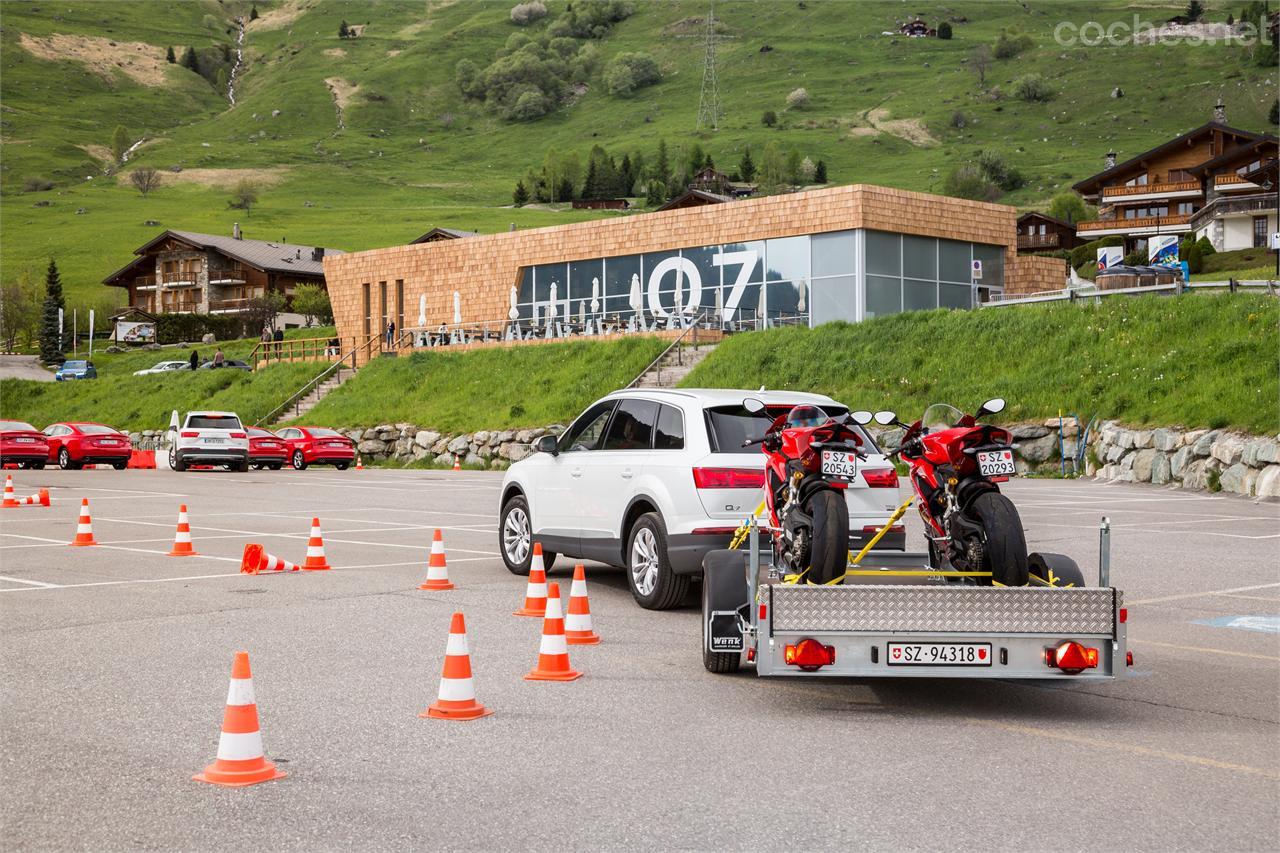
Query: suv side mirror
x,y
547,444
860,418
991,407
886,418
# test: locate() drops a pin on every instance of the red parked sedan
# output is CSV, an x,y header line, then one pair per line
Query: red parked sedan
x,y
318,446
22,443
74,445
266,449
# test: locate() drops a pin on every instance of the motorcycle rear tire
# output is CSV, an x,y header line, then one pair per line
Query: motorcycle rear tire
x,y
1006,550
829,553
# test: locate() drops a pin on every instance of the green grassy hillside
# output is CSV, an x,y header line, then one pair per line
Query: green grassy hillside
x,y
1202,360
412,152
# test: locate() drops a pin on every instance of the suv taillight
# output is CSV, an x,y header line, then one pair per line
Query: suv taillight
x,y
881,478
190,434
727,478
237,435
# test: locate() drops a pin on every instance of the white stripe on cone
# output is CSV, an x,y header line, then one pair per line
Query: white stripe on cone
x,y
240,692
536,590
577,622
457,645
240,747
553,644
456,690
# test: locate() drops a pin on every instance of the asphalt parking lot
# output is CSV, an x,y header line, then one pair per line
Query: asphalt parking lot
x,y
116,660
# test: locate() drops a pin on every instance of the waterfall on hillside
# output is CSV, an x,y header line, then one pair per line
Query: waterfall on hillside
x,y
235,68
124,158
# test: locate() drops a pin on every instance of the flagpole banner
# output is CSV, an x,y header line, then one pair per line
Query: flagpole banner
x,y
1162,250
1110,256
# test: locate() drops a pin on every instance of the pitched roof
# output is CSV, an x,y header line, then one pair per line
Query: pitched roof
x,y
1038,215
1083,186
438,233
260,254
1246,150
695,198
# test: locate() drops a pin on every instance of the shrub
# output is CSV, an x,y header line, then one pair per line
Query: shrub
x,y
523,14
1088,253
35,184
174,328
998,172
144,179
959,120
312,302
530,105
1136,258
1033,88
768,118
1010,43
1194,258
798,99
627,72
967,181
1069,207
944,31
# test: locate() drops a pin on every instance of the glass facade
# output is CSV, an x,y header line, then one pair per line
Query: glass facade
x,y
808,280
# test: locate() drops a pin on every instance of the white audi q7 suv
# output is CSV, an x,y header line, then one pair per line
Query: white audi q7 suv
x,y
653,479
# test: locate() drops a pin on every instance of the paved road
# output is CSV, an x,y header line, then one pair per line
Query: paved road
x,y
116,661
23,367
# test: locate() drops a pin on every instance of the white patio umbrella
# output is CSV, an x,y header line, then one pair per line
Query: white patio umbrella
x,y
595,296
514,313
636,300
720,318
422,310
761,317
457,308
551,305
800,304
582,312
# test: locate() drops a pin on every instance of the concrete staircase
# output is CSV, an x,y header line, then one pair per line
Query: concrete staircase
x,y
317,394
674,366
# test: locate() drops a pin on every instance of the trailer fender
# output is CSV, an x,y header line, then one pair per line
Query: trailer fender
x,y
1053,570
724,597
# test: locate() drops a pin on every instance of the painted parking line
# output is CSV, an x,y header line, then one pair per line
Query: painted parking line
x,y
1204,650
28,582
1262,623
1188,595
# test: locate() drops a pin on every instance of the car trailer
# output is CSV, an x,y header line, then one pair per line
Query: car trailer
x,y
900,617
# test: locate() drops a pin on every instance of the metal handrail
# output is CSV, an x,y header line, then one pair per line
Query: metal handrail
x,y
298,395
692,327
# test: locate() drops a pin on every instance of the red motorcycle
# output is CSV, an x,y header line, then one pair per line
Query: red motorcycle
x,y
811,458
955,466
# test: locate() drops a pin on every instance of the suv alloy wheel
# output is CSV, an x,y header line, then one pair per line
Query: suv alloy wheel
x,y
654,585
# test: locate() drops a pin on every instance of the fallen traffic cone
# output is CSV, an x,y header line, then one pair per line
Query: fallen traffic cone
x,y
457,463
437,571
577,622
9,499
457,697
41,497
535,594
241,760
182,539
316,561
553,651
84,530
256,560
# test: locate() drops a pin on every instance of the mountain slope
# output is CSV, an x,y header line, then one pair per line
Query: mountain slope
x,y
412,152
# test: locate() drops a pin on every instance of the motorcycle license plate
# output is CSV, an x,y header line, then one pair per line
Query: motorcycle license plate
x,y
993,463
839,463
939,654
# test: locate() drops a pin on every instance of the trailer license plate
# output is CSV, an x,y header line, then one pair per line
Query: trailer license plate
x,y
939,654
995,463
840,464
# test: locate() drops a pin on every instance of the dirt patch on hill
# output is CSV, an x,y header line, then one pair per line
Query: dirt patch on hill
x,y
392,53
335,52
280,17
143,63
220,178
101,153
876,121
342,90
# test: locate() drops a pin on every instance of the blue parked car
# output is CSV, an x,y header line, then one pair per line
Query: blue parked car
x,y
76,370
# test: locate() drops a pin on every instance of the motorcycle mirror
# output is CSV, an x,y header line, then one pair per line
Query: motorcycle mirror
x,y
860,417
752,405
886,418
995,404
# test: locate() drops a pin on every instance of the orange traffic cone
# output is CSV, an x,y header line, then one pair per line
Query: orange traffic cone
x,y
9,499
553,651
457,463
437,571
359,464
535,595
84,530
316,561
241,760
457,697
577,622
182,539
41,497
256,560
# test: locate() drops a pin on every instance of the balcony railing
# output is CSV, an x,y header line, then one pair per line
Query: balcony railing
x,y
1038,241
1137,223
224,274
227,305
1151,189
180,306
189,277
1226,205
1234,182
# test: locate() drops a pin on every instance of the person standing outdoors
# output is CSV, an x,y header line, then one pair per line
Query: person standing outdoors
x,y
391,334
218,358
195,359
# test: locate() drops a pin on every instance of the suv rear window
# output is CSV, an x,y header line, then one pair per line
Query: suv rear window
x,y
730,426
213,422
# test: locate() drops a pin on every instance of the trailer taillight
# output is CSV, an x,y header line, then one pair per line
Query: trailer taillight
x,y
809,655
1071,657
764,611
1124,614
1128,658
